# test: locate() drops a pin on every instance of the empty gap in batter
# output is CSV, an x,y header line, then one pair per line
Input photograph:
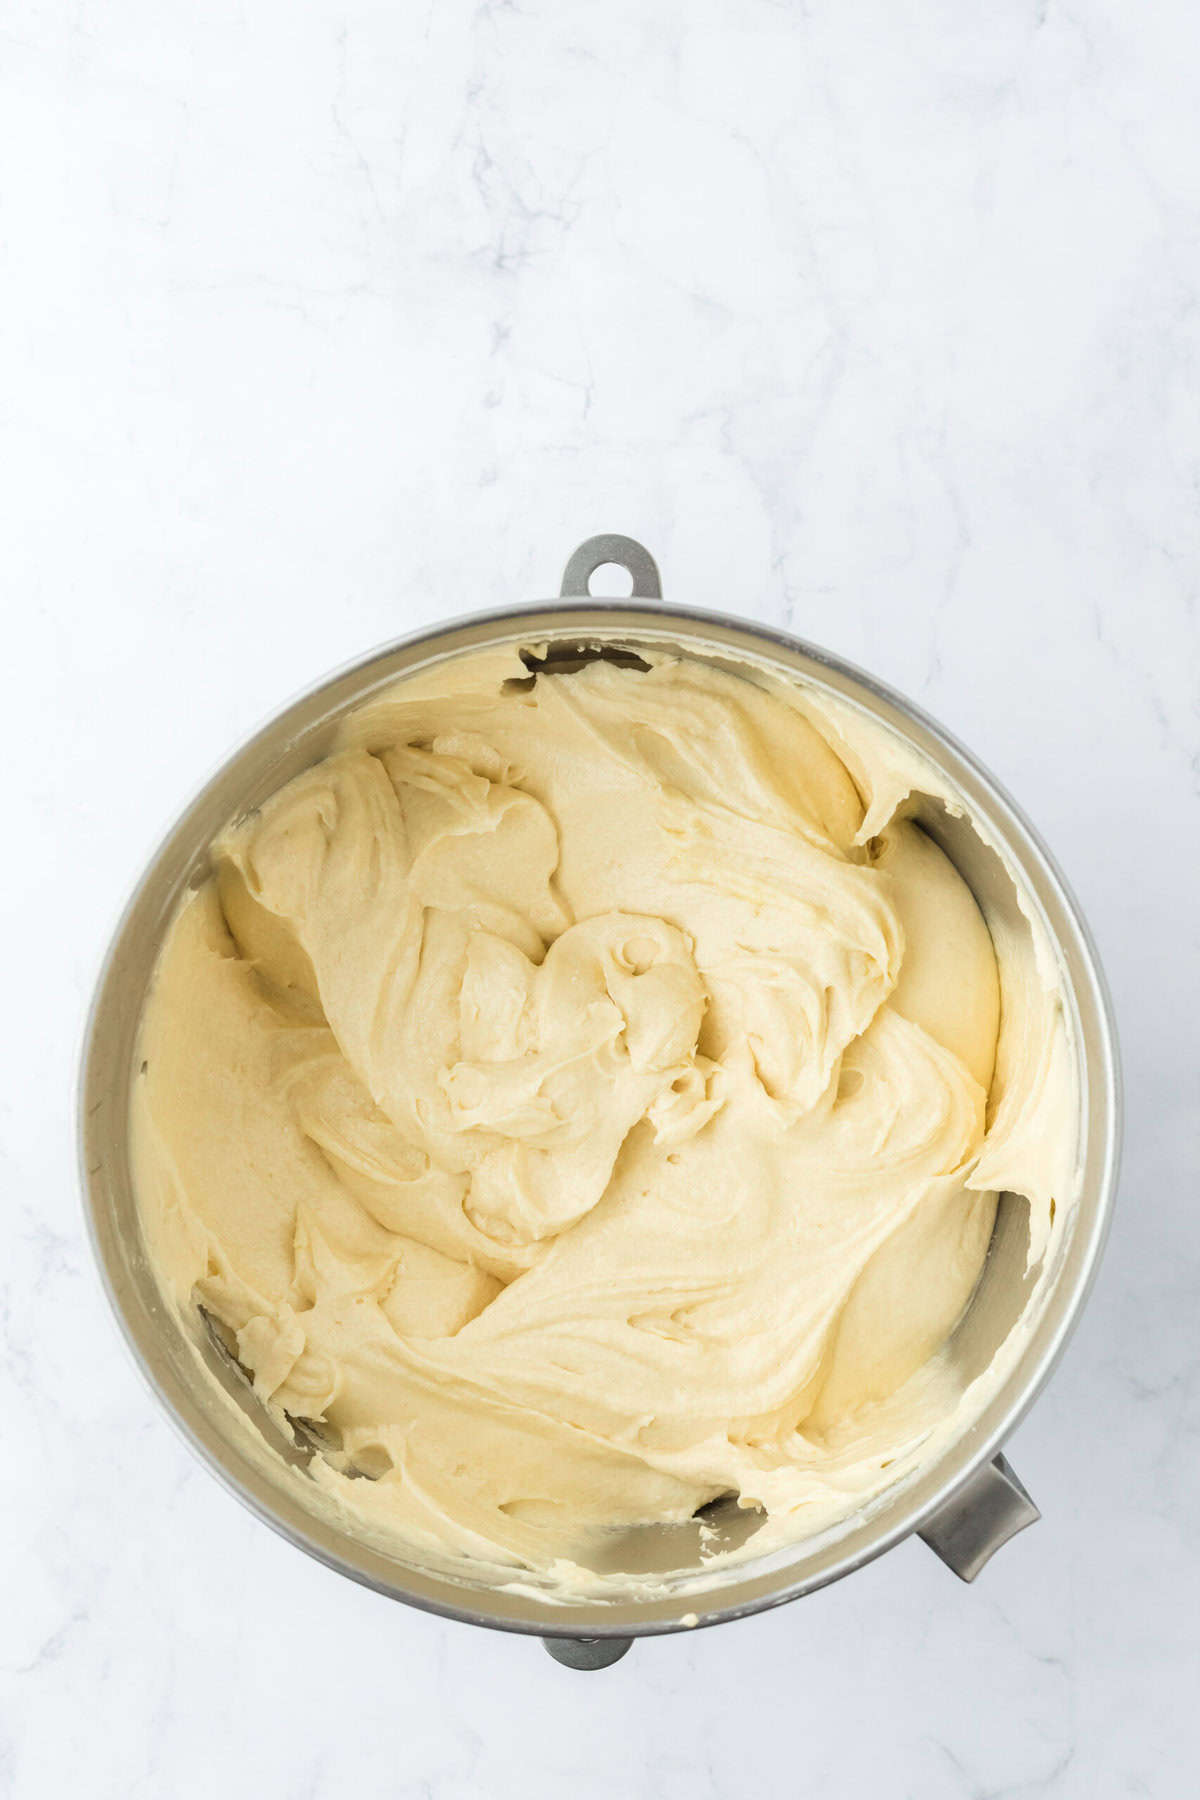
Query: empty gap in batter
x,y
567,659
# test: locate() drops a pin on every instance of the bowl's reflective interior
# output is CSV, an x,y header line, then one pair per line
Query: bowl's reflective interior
x,y
222,1417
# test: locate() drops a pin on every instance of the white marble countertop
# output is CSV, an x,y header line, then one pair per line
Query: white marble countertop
x,y
322,322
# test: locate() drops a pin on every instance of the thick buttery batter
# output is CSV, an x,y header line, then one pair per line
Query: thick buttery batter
x,y
573,1097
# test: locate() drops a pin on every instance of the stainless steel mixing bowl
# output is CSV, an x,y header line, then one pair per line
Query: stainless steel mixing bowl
x,y
965,1504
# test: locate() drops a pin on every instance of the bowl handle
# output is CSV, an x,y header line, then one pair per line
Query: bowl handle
x,y
991,1508
611,547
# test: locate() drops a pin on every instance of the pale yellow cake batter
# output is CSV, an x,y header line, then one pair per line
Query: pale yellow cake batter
x,y
572,1095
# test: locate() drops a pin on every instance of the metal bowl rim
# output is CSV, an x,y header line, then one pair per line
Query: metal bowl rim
x,y
630,615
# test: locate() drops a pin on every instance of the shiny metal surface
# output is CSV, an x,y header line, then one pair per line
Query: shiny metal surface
x,y
611,547
588,1654
266,1470
985,1512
